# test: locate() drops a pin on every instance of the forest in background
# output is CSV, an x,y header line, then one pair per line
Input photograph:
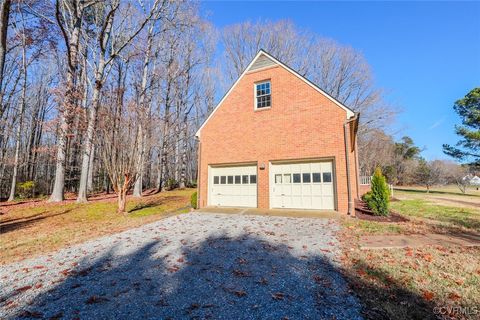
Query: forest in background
x,y
107,95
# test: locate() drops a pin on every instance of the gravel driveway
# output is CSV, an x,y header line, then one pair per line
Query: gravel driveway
x,y
195,265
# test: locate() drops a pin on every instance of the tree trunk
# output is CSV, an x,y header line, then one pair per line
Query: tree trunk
x,y
59,184
90,170
163,153
163,165
138,188
17,150
92,121
20,120
183,167
122,201
4,17
70,102
122,190
177,152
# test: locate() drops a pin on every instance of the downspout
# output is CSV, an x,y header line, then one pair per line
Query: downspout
x,y
347,161
357,166
197,138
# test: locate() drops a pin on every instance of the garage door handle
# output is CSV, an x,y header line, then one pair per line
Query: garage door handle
x,y
283,194
219,194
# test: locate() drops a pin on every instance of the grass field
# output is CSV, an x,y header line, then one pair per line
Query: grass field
x,y
447,189
34,227
409,283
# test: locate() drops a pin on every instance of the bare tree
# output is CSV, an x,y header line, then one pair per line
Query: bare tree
x,y
4,18
22,109
117,41
142,103
67,86
119,129
69,16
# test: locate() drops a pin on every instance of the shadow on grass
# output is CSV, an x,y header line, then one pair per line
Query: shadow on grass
x,y
20,223
245,277
16,203
145,204
455,221
468,203
385,298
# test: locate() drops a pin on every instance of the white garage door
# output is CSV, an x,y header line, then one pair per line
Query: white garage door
x,y
302,185
233,186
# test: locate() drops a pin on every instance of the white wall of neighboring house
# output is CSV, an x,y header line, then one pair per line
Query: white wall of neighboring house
x,y
475,181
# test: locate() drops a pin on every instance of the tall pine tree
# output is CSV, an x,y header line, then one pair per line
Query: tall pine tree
x,y
468,148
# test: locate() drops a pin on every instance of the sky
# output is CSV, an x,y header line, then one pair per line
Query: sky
x,y
425,55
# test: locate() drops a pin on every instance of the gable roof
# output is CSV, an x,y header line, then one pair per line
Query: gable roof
x,y
264,60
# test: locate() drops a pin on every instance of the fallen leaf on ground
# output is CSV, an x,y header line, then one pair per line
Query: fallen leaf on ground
x,y
428,295
25,288
454,296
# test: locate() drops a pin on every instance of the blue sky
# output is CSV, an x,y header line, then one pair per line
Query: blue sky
x,y
425,55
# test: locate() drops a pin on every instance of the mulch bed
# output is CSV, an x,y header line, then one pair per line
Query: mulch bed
x,y
364,213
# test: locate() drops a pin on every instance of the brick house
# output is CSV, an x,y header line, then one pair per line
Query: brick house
x,y
276,140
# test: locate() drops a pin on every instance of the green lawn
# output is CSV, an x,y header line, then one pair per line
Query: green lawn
x,y
447,189
444,215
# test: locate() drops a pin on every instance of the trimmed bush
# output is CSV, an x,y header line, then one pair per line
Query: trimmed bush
x,y
193,200
26,189
379,197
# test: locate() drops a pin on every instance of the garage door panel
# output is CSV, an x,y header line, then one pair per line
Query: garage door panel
x,y
327,189
306,202
306,190
302,185
328,202
326,166
296,190
285,202
305,167
316,167
317,202
296,202
292,168
317,189
231,186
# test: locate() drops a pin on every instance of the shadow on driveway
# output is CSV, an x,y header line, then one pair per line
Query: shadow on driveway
x,y
221,277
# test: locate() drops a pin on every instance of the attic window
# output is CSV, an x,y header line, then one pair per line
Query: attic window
x,y
263,96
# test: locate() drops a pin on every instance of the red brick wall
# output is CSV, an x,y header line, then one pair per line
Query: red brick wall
x,y
302,123
364,188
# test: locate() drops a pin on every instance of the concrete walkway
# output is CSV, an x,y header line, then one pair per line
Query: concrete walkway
x,y
329,214
419,240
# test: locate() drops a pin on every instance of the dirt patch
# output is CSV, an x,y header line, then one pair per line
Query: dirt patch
x,y
364,213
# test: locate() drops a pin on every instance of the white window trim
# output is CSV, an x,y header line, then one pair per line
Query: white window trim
x,y
255,95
